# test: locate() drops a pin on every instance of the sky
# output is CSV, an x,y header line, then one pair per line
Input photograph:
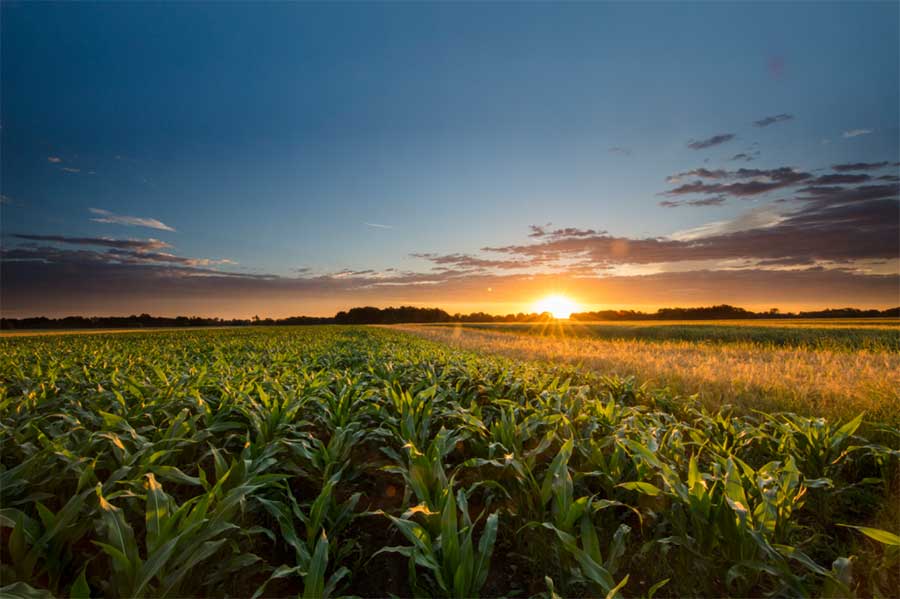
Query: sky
x,y
229,159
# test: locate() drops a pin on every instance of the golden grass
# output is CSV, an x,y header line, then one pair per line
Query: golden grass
x,y
775,323
747,375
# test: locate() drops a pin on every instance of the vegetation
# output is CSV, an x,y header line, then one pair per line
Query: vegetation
x,y
411,314
803,366
338,460
874,335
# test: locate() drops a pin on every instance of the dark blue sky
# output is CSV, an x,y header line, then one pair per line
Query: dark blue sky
x,y
280,136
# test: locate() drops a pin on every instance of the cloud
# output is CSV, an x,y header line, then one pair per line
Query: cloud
x,y
828,237
857,132
88,287
699,202
746,182
833,224
117,257
715,140
70,169
378,226
861,166
105,216
132,244
542,231
756,218
839,179
826,195
54,159
771,120
620,150
145,256
745,156
468,262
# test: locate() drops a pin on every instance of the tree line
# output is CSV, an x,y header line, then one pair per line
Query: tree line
x,y
412,314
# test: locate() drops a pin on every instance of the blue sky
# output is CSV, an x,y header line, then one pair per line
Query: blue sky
x,y
270,135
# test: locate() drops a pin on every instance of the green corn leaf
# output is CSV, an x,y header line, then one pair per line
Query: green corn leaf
x,y
882,536
314,581
80,588
642,487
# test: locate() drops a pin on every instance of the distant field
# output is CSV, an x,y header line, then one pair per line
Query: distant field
x,y
877,334
46,332
817,367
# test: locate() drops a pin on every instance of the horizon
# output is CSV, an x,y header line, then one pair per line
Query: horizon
x,y
778,312
303,159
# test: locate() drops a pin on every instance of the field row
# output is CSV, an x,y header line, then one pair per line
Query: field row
x,y
336,460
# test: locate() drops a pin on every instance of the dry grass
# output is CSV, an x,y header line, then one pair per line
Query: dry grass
x,y
812,381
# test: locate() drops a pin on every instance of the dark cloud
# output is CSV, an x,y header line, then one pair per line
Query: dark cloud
x,y
620,150
52,254
699,202
472,263
771,120
133,244
824,195
835,224
745,156
747,182
861,166
538,231
839,179
704,173
715,140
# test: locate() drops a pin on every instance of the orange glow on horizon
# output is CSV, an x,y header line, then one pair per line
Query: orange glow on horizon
x,y
560,306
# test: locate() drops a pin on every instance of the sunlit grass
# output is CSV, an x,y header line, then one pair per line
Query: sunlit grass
x,y
752,375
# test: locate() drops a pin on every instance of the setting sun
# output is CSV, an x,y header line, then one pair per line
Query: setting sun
x,y
559,306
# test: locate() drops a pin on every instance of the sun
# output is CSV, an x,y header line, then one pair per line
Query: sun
x,y
559,306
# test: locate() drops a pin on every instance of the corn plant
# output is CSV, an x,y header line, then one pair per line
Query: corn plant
x,y
456,566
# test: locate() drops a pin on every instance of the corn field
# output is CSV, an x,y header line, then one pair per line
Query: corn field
x,y
336,461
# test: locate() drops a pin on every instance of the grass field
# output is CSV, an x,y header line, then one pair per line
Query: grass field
x,y
324,461
826,368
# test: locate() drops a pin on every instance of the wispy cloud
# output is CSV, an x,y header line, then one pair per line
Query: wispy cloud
x,y
715,140
771,120
745,156
861,166
127,244
378,226
698,202
620,150
857,132
69,169
105,216
54,159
